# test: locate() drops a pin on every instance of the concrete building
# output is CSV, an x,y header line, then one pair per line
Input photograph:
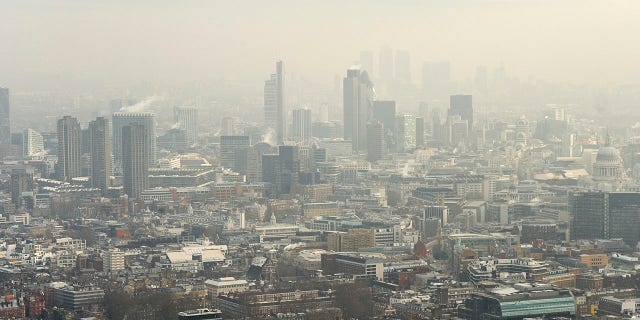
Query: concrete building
x,y
135,159
100,149
113,260
301,125
69,164
122,119
351,240
32,143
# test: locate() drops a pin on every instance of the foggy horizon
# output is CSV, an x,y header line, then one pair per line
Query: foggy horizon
x,y
52,46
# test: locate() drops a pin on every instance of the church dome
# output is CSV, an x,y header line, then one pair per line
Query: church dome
x,y
608,154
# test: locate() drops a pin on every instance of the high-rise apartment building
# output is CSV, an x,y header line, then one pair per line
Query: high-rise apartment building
x,y
5,122
69,163
274,110
187,119
32,143
301,125
358,96
122,119
135,158
100,150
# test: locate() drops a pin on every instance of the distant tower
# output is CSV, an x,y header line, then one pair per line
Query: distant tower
x,y
462,105
100,149
420,132
385,112
5,122
375,141
32,143
522,132
69,165
187,120
405,133
301,125
122,119
274,110
358,96
135,157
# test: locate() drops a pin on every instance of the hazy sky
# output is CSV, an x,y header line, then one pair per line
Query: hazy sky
x,y
54,43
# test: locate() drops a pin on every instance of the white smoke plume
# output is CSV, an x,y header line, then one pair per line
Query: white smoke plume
x,y
270,137
142,105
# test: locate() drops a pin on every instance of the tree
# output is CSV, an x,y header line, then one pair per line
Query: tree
x,y
355,300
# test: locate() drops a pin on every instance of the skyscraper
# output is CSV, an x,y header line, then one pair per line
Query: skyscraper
x,y
135,158
100,150
385,112
21,181
358,96
274,111
187,119
420,132
375,141
69,165
32,143
5,122
405,132
462,105
301,125
121,119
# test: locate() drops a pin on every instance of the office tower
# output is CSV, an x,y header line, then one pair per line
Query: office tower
x,y
69,165
403,66
254,160
227,126
290,167
405,133
5,122
436,78
187,119
462,105
100,150
122,119
420,132
32,143
21,181
366,62
605,215
385,112
135,158
274,110
301,125
358,96
233,152
457,130
375,141
385,60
